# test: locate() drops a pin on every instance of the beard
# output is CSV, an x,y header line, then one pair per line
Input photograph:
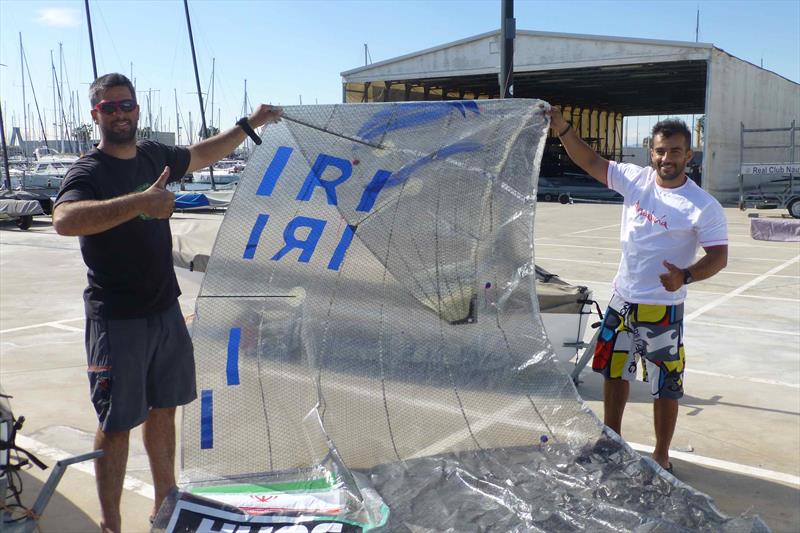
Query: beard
x,y
673,173
114,136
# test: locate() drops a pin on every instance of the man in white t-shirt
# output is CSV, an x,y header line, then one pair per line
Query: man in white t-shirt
x,y
666,217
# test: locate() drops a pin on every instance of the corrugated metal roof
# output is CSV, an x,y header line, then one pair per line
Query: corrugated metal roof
x,y
527,33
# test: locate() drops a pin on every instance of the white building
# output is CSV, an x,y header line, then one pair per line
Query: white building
x,y
597,81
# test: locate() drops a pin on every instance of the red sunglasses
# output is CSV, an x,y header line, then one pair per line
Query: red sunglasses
x,y
108,107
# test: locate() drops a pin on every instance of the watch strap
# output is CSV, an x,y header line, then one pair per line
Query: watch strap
x,y
242,123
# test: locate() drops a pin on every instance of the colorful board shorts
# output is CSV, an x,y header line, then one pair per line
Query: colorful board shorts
x,y
643,331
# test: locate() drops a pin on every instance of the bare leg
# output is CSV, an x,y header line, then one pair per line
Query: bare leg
x,y
159,442
615,396
665,416
110,473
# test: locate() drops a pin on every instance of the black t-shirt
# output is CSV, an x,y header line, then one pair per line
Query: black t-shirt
x,y
130,266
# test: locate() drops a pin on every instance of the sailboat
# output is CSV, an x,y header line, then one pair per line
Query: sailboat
x,y
46,173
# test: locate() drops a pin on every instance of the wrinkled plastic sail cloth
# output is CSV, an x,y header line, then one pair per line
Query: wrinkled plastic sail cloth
x,y
369,348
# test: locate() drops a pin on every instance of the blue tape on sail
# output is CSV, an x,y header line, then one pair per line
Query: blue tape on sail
x,y
371,191
255,235
206,420
274,171
344,244
232,368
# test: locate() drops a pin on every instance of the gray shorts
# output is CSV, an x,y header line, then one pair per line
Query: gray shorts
x,y
137,364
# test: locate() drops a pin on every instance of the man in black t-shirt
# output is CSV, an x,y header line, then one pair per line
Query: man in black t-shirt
x,y
140,358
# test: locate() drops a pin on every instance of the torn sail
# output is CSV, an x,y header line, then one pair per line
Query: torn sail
x,y
368,314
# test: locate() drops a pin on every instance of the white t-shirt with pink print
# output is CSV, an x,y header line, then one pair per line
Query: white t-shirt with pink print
x,y
660,224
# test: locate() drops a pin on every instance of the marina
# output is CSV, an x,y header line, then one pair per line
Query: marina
x,y
737,433
411,351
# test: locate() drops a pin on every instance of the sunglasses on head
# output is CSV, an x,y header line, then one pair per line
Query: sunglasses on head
x,y
107,107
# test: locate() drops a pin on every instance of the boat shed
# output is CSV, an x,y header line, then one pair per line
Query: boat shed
x,y
598,80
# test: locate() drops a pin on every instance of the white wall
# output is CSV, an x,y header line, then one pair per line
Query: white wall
x,y
741,92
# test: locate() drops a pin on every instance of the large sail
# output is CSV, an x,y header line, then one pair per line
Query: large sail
x,y
369,314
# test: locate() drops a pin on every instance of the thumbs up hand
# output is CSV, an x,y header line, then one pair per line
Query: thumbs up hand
x,y
672,280
158,201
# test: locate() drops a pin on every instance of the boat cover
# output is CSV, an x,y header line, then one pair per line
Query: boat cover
x,y
775,229
12,208
204,200
369,353
190,200
44,201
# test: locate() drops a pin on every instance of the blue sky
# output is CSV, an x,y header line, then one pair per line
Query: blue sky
x,y
288,50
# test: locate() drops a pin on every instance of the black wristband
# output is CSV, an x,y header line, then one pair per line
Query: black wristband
x,y
242,123
687,276
569,127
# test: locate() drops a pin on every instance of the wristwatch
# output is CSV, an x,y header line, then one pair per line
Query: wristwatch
x,y
242,123
687,276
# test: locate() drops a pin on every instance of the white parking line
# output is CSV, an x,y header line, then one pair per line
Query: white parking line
x,y
511,409
562,245
767,275
587,261
475,428
728,272
40,449
735,292
719,464
731,244
66,328
145,489
746,328
752,380
593,229
593,284
54,324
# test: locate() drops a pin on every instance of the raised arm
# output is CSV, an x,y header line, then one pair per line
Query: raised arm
x,y
87,217
578,151
211,150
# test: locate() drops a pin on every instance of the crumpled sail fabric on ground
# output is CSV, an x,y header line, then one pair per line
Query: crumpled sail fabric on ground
x,y
377,262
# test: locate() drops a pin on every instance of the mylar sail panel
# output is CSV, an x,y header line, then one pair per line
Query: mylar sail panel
x,y
396,255
369,317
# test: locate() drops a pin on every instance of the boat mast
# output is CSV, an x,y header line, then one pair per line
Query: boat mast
x,y
213,83
7,179
244,114
35,100
63,126
24,102
59,117
91,37
199,90
55,87
177,119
